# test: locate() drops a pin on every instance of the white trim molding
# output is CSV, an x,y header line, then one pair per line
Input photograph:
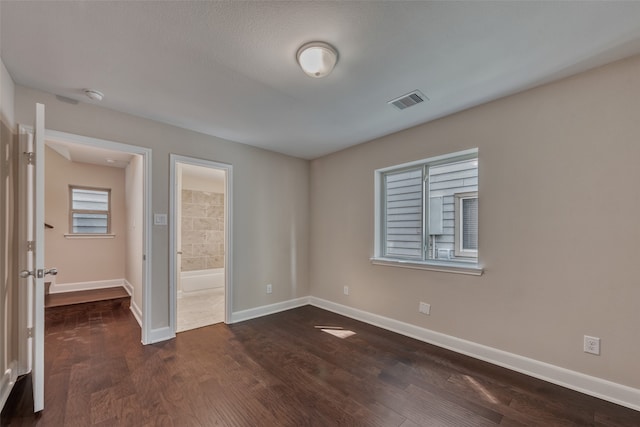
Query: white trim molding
x,y
7,381
58,288
593,386
431,265
135,309
174,178
128,287
137,313
160,334
89,236
265,310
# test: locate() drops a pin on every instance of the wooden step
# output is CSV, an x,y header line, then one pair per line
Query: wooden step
x,y
81,297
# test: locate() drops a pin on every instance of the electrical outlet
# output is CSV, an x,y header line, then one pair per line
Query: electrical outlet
x,y
269,288
346,290
592,345
424,308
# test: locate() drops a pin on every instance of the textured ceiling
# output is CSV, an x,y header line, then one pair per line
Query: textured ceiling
x,y
228,68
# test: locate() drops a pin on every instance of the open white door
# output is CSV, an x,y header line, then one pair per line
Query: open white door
x,y
34,273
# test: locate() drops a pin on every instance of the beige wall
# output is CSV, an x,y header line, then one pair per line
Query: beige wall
x,y
270,204
201,183
559,202
8,236
134,211
90,259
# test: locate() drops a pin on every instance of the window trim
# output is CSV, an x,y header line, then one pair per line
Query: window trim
x,y
459,267
458,232
88,211
470,266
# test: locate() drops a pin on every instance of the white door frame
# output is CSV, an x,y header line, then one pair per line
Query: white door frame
x,y
31,229
228,228
25,292
146,207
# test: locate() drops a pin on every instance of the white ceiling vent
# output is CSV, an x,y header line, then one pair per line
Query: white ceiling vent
x,y
408,100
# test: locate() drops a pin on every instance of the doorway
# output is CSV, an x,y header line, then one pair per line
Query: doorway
x,y
200,269
72,161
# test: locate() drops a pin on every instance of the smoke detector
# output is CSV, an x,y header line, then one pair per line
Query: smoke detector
x,y
93,94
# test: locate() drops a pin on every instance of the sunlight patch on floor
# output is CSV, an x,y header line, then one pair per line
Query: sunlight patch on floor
x,y
481,389
336,331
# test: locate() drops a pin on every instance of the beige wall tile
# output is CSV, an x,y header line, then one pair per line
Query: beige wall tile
x,y
187,196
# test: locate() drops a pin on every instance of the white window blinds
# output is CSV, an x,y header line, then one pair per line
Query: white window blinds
x,y
470,224
403,213
89,211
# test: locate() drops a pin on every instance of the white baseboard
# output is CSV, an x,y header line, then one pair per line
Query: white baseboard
x,y
128,287
593,386
265,310
57,288
7,381
137,313
160,334
135,310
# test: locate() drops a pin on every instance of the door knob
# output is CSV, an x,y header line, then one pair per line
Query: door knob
x,y
38,273
51,271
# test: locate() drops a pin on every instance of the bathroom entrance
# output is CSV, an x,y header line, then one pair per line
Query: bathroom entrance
x,y
200,230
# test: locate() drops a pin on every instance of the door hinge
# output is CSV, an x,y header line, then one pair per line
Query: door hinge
x,y
30,245
31,157
29,332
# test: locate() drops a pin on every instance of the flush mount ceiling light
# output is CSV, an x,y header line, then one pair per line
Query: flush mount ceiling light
x,y
317,59
94,95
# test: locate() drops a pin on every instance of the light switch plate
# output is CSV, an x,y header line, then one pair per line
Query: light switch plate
x,y
159,219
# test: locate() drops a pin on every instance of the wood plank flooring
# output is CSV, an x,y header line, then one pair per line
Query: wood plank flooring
x,y
284,370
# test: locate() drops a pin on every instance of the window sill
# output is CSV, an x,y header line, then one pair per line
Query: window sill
x,y
441,266
89,236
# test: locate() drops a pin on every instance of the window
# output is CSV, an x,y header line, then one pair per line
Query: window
x,y
466,223
428,211
90,210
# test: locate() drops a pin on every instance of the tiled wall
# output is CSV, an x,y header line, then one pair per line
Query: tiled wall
x,y
202,230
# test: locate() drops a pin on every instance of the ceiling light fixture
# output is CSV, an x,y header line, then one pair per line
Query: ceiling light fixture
x,y
93,94
317,59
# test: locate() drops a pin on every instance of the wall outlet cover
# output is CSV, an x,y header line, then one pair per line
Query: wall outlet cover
x,y
424,308
592,345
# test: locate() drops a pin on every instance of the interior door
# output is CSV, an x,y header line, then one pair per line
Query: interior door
x,y
35,272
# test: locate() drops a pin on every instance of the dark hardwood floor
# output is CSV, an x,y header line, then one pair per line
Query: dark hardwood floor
x,y
284,370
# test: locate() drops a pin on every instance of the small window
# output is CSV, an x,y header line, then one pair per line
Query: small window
x,y
466,223
428,210
90,210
